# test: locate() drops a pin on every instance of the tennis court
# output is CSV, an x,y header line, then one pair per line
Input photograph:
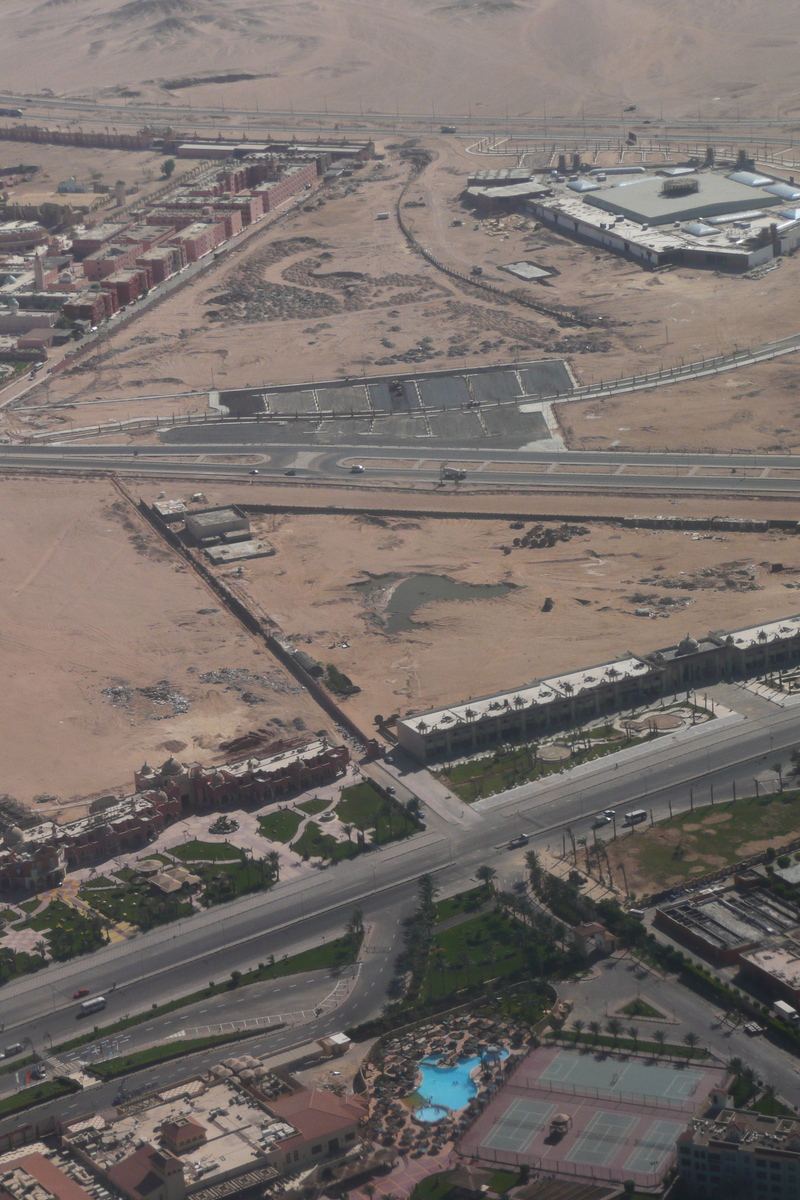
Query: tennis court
x,y
519,1125
623,1114
590,1075
599,1144
655,1147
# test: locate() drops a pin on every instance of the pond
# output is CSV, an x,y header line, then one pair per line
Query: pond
x,y
448,1089
416,591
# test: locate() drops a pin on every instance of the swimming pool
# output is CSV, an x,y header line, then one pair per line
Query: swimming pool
x,y
447,1089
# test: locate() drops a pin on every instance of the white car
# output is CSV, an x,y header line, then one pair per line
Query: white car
x,y
600,819
356,469
609,812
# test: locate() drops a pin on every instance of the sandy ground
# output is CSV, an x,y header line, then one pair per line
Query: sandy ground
x,y
91,599
278,311
602,54
463,648
57,163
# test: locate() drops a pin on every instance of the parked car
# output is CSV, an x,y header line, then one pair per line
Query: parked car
x,y
600,819
520,840
290,471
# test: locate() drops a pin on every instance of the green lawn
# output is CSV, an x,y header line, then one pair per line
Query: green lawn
x,y
280,826
206,852
642,1046
99,881
127,1063
502,770
366,808
488,946
315,844
30,1097
701,841
8,914
433,1188
137,905
640,1008
312,807
30,906
771,1107
462,902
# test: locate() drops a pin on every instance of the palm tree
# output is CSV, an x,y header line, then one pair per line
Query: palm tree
x,y
439,959
614,1027
486,876
633,1034
735,1066
660,1038
348,828
534,869
578,1026
595,1028
274,860
355,923
691,1041
40,947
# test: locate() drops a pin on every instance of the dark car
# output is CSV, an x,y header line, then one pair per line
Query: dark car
x,y
80,992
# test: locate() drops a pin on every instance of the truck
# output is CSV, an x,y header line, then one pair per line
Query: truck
x,y
454,473
785,1012
448,128
636,817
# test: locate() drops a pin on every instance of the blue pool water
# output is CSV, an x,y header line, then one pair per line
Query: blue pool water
x,y
447,1089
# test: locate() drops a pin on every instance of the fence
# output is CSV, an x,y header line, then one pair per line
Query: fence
x,y
560,1167
563,1088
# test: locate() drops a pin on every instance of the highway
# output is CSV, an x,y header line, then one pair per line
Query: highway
x,y
775,475
187,954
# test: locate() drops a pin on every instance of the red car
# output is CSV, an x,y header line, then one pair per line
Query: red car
x,y
80,992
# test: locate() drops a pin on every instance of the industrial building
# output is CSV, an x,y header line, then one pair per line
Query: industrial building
x,y
696,217
727,1153
545,705
776,966
214,524
723,925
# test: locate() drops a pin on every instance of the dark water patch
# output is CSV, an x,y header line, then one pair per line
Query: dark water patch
x,y
414,592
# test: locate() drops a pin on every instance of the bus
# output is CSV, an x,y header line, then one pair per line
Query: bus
x,y
92,1006
636,817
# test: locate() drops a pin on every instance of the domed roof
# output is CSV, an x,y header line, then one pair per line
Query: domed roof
x,y
146,770
171,767
13,835
560,1119
688,646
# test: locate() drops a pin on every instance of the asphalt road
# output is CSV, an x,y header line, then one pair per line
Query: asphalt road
x,y
746,474
187,954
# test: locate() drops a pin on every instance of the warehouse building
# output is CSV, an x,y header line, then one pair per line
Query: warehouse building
x,y
776,966
206,524
722,925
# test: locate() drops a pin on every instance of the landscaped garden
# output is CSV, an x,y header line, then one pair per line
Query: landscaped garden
x,y
280,826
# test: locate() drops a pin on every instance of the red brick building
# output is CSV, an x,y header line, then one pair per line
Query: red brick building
x,y
94,307
199,239
110,259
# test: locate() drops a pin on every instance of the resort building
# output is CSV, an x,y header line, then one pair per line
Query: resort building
x,y
732,1153
565,701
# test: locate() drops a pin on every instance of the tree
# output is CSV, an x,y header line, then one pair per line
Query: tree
x,y
274,862
167,167
348,828
438,959
614,1027
40,947
692,1041
486,876
578,1026
735,1066
595,1028
534,869
355,923
660,1038
633,1034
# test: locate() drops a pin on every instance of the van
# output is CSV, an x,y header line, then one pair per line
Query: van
x,y
636,913
14,1048
636,817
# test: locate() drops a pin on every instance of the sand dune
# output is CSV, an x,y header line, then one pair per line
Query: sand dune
x,y
419,54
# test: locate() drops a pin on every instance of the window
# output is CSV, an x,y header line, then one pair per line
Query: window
x,y
316,1149
349,1137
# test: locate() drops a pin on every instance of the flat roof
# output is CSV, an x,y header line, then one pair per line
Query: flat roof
x,y
731,919
781,960
751,1130
544,691
213,516
770,631
642,201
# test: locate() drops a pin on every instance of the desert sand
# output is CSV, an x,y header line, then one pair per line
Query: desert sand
x,y
91,600
423,57
469,647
